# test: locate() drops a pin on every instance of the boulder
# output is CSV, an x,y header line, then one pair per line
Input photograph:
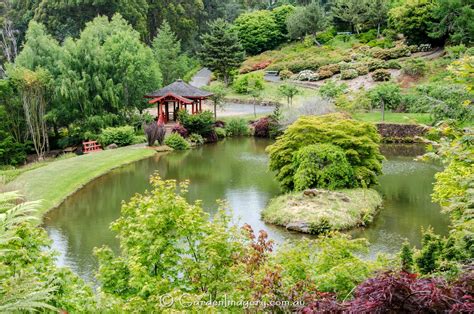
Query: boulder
x,y
112,146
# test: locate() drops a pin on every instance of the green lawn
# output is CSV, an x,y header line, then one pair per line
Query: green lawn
x,y
394,117
57,180
270,93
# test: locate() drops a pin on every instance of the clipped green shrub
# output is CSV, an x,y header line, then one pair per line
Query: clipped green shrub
x,y
334,68
390,53
237,127
121,136
381,75
285,74
322,74
415,67
358,140
392,64
245,83
176,142
322,166
362,69
349,74
196,139
221,133
201,123
375,64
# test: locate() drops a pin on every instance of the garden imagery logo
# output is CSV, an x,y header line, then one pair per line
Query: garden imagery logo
x,y
187,301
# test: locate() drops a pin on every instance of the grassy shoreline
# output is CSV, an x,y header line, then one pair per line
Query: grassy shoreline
x,y
318,211
57,180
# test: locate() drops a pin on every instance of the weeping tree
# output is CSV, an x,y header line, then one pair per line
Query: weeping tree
x,y
154,132
33,87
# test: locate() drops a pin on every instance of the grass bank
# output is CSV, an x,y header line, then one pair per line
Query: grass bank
x,y
56,180
395,117
317,211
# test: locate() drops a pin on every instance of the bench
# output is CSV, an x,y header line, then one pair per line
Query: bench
x,y
274,73
91,146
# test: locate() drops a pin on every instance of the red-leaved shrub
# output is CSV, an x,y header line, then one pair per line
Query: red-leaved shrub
x,y
181,130
402,292
263,127
261,65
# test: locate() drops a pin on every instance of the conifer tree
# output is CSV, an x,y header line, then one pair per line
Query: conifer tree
x,y
222,51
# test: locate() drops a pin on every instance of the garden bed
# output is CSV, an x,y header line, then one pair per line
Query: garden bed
x,y
317,211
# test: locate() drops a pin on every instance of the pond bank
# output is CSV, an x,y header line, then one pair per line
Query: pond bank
x,y
317,211
59,179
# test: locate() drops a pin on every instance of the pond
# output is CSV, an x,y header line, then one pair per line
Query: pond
x,y
236,171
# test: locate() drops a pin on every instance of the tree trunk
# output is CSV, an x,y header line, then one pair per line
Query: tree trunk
x,y
378,30
215,111
383,110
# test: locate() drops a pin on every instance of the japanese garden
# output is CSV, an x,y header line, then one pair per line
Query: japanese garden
x,y
283,156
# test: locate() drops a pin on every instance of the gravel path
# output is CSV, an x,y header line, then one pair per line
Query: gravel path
x,y
201,78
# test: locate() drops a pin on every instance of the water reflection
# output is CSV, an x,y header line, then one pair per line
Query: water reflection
x,y
236,171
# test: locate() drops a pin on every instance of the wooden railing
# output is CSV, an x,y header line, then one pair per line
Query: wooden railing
x,y
91,146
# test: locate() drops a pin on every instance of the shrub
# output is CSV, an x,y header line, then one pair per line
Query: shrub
x,y
331,89
362,69
221,133
264,126
176,142
211,137
139,139
375,64
237,127
399,52
181,130
196,139
347,65
322,74
357,139
322,166
380,53
443,101
258,31
348,74
389,93
455,52
307,75
201,123
403,292
381,75
415,67
367,36
244,84
11,152
285,74
334,68
326,36
155,132
121,136
391,53
392,64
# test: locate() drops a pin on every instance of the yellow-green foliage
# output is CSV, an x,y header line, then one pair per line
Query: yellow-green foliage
x,y
297,57
330,262
322,210
359,141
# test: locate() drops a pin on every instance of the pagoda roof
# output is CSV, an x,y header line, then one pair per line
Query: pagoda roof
x,y
182,89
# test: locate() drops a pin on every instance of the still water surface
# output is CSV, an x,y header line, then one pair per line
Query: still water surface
x,y
236,171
